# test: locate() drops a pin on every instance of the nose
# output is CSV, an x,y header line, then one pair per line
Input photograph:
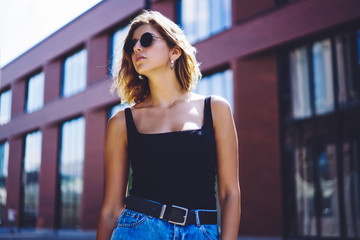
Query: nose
x,y
137,47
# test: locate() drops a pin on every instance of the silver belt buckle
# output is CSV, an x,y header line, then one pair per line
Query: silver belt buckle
x,y
185,217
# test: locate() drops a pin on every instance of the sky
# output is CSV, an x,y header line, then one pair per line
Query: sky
x,y
24,23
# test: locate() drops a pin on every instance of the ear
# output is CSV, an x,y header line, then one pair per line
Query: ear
x,y
175,52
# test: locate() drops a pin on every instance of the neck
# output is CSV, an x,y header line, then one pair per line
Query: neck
x,y
165,89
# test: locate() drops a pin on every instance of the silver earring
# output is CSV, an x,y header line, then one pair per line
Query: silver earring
x,y
172,64
141,77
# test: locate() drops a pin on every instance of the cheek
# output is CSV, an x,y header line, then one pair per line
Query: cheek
x,y
161,56
161,52
161,59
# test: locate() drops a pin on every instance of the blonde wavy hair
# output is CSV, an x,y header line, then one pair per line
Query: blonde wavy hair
x,y
130,87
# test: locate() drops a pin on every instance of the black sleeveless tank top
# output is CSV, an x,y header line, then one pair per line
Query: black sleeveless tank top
x,y
174,168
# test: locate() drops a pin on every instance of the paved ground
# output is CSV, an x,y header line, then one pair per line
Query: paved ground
x,y
25,234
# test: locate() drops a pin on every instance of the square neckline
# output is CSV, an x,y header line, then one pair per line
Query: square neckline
x,y
171,132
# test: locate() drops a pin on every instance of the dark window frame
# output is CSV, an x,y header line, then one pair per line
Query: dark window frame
x,y
287,122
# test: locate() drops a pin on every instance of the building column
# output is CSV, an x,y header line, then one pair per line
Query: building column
x,y
18,98
168,8
257,120
98,60
94,172
52,87
48,177
13,184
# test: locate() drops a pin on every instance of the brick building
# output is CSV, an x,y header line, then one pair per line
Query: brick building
x,y
290,69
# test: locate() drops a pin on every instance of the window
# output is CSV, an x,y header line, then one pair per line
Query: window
x,y
323,77
71,171
327,170
320,115
352,186
117,43
322,80
30,179
346,94
5,107
35,93
4,161
299,79
74,78
220,84
305,184
305,192
348,82
203,18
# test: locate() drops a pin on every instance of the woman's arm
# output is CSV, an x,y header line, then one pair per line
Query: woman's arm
x,y
116,175
227,168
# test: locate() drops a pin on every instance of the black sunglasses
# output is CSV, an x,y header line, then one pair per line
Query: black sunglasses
x,y
145,41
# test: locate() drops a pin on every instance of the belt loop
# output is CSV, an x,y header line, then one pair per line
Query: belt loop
x,y
162,211
197,218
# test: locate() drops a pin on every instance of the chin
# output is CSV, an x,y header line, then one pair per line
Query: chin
x,y
142,72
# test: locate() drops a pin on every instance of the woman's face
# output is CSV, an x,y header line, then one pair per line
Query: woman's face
x,y
151,59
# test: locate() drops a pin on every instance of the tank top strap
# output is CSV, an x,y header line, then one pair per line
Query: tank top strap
x,y
130,125
208,121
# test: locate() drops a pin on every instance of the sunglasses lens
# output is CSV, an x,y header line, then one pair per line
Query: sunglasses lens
x,y
146,39
129,46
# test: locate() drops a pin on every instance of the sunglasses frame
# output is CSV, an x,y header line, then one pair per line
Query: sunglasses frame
x,y
146,40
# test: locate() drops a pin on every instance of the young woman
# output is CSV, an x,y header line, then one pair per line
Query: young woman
x,y
177,143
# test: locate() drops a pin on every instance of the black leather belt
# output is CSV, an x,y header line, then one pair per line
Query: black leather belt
x,y
172,214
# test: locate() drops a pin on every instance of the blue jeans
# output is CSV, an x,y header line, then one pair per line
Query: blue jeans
x,y
135,225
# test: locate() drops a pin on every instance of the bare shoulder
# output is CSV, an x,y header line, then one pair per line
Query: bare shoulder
x,y
219,105
221,112
117,123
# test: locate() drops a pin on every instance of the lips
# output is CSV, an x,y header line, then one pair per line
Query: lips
x,y
140,57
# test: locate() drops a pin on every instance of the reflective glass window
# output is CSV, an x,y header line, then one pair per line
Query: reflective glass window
x,y
299,80
320,74
349,86
71,171
203,18
323,77
74,73
327,169
351,160
305,192
343,69
30,180
117,43
5,107
4,161
220,84
35,93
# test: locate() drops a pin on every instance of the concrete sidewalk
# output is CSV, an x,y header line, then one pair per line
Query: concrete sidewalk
x,y
24,234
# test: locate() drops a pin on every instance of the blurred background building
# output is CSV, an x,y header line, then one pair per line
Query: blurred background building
x,y
290,69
